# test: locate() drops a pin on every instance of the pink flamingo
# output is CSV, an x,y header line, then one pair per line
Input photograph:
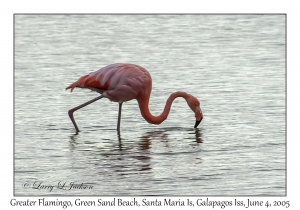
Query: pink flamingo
x,y
123,82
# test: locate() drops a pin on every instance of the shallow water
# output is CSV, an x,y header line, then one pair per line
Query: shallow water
x,y
234,64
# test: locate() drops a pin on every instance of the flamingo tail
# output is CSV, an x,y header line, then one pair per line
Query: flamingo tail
x,y
86,81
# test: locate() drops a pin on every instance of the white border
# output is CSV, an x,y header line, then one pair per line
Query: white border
x,y
8,8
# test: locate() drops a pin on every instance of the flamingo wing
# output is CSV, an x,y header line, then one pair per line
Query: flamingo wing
x,y
118,82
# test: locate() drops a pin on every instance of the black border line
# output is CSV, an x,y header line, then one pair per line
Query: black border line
x,y
142,196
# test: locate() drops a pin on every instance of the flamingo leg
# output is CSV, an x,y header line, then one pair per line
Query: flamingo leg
x,y
70,112
119,116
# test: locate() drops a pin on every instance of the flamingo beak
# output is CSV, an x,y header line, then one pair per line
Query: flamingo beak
x,y
197,123
199,117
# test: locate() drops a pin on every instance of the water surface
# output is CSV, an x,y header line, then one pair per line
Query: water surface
x,y
234,64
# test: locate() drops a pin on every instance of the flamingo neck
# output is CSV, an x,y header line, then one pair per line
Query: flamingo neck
x,y
143,102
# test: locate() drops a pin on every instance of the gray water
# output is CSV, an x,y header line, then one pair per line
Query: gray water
x,y
234,64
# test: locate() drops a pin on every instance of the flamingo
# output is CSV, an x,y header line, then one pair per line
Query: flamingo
x,y
122,82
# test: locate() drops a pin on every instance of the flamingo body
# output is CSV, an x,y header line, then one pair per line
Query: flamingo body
x,y
118,82
122,82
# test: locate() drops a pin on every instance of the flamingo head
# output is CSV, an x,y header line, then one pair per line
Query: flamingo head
x,y
194,104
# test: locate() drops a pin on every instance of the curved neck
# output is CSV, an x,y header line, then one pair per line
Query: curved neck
x,y
144,107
